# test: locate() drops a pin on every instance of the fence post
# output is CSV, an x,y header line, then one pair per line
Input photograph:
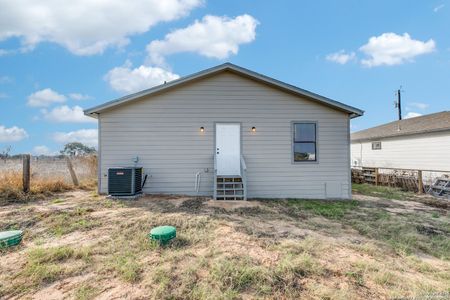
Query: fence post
x,y
26,174
376,176
420,181
71,171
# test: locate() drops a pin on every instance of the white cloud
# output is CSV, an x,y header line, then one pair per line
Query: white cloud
x,y
412,114
5,79
393,49
88,137
419,105
213,36
43,150
86,27
438,8
12,134
66,114
341,57
79,97
45,97
4,52
128,80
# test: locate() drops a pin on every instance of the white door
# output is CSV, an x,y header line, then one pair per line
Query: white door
x,y
228,149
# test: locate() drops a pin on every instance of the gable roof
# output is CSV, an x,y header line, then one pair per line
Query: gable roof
x,y
423,124
354,112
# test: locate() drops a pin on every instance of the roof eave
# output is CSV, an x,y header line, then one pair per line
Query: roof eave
x,y
371,138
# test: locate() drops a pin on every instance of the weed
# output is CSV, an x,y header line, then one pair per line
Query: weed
x,y
85,292
380,191
299,265
44,264
435,215
325,208
419,265
11,188
402,233
126,266
386,278
50,255
161,278
236,274
285,278
356,276
64,222
240,274
37,274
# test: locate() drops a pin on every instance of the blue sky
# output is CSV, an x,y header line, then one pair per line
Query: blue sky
x,y
57,60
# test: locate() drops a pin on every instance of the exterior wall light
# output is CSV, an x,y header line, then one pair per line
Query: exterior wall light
x,y
253,129
202,129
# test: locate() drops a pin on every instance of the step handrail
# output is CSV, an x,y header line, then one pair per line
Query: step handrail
x,y
244,175
243,165
215,176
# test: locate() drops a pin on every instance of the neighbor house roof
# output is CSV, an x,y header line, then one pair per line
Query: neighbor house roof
x,y
423,124
354,112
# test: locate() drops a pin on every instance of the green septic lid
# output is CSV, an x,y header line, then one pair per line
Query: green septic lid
x,y
10,238
163,233
5,235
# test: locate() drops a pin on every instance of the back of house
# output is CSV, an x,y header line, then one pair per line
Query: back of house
x,y
230,133
419,143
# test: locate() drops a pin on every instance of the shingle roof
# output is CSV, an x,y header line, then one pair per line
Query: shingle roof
x,y
429,123
352,111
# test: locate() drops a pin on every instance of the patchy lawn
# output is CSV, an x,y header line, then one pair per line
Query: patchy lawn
x,y
78,245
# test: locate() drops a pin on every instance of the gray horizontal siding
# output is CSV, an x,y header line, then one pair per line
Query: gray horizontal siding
x,y
163,131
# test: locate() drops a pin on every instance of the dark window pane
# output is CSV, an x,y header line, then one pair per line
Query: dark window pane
x,y
304,151
376,145
305,132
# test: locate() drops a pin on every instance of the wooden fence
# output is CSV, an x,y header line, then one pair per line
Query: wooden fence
x,y
405,179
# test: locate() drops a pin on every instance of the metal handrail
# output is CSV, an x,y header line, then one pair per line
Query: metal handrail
x,y
243,165
215,176
244,175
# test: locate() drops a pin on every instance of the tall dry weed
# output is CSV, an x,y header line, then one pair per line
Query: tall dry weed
x,y
11,187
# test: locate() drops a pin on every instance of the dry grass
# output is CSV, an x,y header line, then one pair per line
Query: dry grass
x,y
82,246
48,176
40,188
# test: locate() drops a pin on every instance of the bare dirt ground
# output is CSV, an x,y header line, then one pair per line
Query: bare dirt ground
x,y
78,245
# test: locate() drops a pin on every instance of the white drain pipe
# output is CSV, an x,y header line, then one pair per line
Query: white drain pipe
x,y
198,177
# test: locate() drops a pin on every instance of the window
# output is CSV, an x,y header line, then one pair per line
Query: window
x,y
304,142
376,145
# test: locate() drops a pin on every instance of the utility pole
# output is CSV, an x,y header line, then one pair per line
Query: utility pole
x,y
398,103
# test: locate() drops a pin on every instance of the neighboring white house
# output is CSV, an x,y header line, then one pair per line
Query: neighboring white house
x,y
420,143
228,124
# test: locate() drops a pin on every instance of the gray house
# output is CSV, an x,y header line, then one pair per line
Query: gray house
x,y
230,133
